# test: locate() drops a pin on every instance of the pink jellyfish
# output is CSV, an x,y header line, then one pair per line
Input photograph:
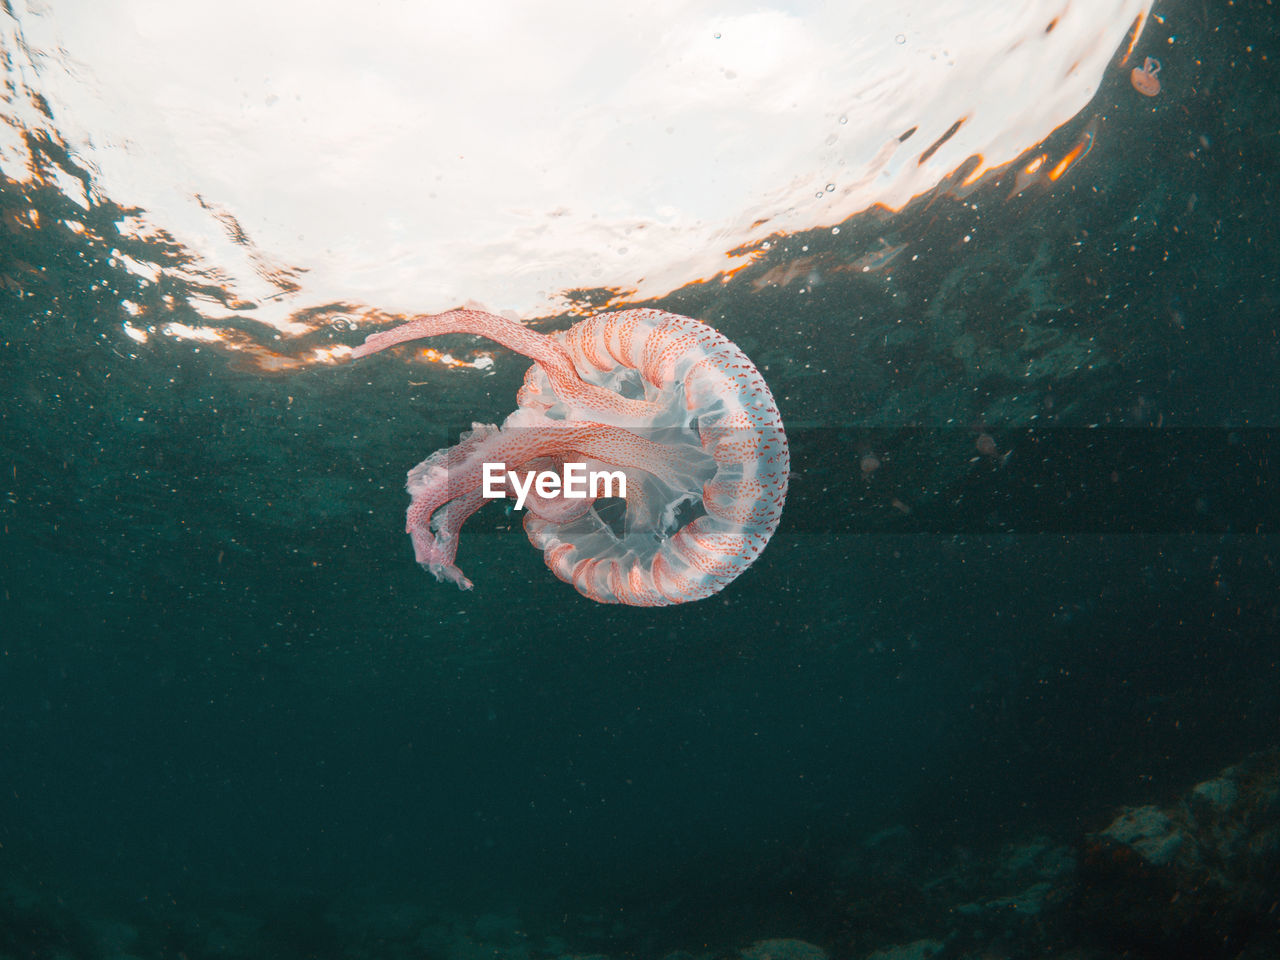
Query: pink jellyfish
x,y
1145,79
668,402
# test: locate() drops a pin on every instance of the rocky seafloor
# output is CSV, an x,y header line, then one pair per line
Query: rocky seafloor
x,y
1198,877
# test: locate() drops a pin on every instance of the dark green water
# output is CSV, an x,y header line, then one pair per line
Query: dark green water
x,y
224,681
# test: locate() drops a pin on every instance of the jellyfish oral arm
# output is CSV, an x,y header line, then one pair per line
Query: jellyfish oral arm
x,y
449,485
545,351
541,349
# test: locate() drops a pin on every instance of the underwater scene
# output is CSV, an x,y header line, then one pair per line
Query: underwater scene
x,y
881,403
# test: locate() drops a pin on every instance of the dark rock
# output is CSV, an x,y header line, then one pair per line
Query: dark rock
x,y
1200,878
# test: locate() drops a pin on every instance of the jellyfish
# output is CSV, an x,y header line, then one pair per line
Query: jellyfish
x,y
1145,79
672,404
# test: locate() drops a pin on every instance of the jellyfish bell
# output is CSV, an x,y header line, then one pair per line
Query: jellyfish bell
x,y
1145,78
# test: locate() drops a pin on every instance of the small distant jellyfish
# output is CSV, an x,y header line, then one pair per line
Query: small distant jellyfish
x,y
870,464
986,445
1145,79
